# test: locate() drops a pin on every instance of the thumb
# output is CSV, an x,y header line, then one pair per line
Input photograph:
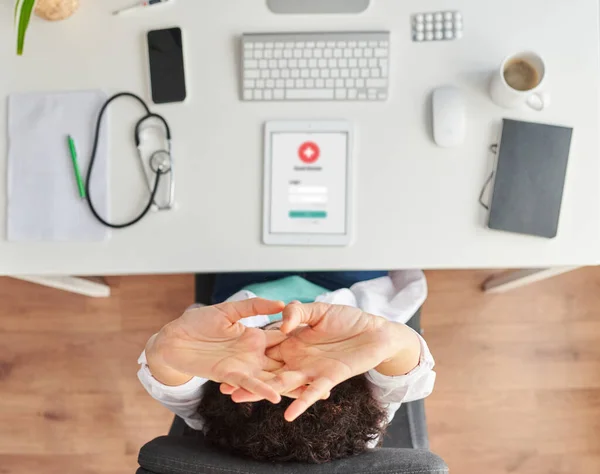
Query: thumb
x,y
295,315
274,338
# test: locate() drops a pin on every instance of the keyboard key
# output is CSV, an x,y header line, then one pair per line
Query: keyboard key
x,y
341,94
342,44
345,72
258,94
362,44
372,62
360,83
249,84
362,96
352,44
293,63
309,84
258,54
368,53
314,73
335,73
325,73
308,94
270,83
375,72
330,44
343,63
384,65
279,45
338,53
269,45
265,73
260,84
263,64
248,94
278,94
322,63
251,64
362,62
339,83
272,63
259,45
358,53
297,53
328,53
308,53
352,94
381,53
300,83
248,45
312,63
320,83
330,83
302,63
282,63
251,74
350,83
353,62
287,53
268,53
364,73
300,44
347,53
304,73
377,83
373,44
248,54
295,73
289,84
279,83
285,73
267,94
318,53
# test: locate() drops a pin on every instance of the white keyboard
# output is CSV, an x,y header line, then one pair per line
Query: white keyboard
x,y
316,66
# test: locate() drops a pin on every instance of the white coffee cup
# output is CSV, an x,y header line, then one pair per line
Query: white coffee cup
x,y
530,92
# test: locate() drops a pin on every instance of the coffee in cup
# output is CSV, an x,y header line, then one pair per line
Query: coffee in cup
x,y
519,81
521,75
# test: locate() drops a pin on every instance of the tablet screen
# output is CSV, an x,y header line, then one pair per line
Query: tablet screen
x,y
309,182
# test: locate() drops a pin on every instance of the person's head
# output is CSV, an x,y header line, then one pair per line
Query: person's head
x,y
338,427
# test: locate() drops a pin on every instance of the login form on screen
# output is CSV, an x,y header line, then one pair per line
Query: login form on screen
x,y
308,182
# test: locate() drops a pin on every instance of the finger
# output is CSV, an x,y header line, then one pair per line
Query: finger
x,y
289,381
241,395
312,394
272,365
227,389
299,391
253,385
275,354
296,314
237,310
295,302
274,338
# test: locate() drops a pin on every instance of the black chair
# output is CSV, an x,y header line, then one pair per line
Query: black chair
x,y
405,449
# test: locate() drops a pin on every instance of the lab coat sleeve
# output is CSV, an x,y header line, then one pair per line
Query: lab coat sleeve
x,y
182,400
415,385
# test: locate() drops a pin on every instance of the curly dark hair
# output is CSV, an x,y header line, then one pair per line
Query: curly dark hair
x,y
338,427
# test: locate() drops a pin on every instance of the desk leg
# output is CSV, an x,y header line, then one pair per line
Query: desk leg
x,y
81,286
511,280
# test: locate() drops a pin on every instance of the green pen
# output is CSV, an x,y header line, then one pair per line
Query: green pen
x,y
76,167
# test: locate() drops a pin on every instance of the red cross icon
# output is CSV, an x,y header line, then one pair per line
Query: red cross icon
x,y
309,152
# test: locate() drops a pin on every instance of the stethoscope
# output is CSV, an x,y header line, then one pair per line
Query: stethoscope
x,y
160,162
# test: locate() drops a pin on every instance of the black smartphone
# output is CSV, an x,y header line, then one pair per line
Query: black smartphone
x,y
167,71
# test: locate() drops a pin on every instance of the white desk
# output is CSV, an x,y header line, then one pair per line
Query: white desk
x,y
416,203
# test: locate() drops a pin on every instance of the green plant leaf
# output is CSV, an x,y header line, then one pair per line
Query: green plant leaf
x,y
24,18
17,4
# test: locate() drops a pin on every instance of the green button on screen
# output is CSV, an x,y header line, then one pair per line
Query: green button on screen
x,y
308,214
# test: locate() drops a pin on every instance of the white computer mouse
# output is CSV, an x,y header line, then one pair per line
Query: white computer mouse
x,y
449,116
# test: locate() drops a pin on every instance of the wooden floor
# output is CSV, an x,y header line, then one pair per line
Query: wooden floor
x,y
518,387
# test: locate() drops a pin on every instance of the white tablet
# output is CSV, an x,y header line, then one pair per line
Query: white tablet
x,y
308,183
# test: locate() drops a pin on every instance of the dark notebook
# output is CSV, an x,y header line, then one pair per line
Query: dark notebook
x,y
530,178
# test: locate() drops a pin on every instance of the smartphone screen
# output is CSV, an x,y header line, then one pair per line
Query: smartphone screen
x,y
309,183
167,73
